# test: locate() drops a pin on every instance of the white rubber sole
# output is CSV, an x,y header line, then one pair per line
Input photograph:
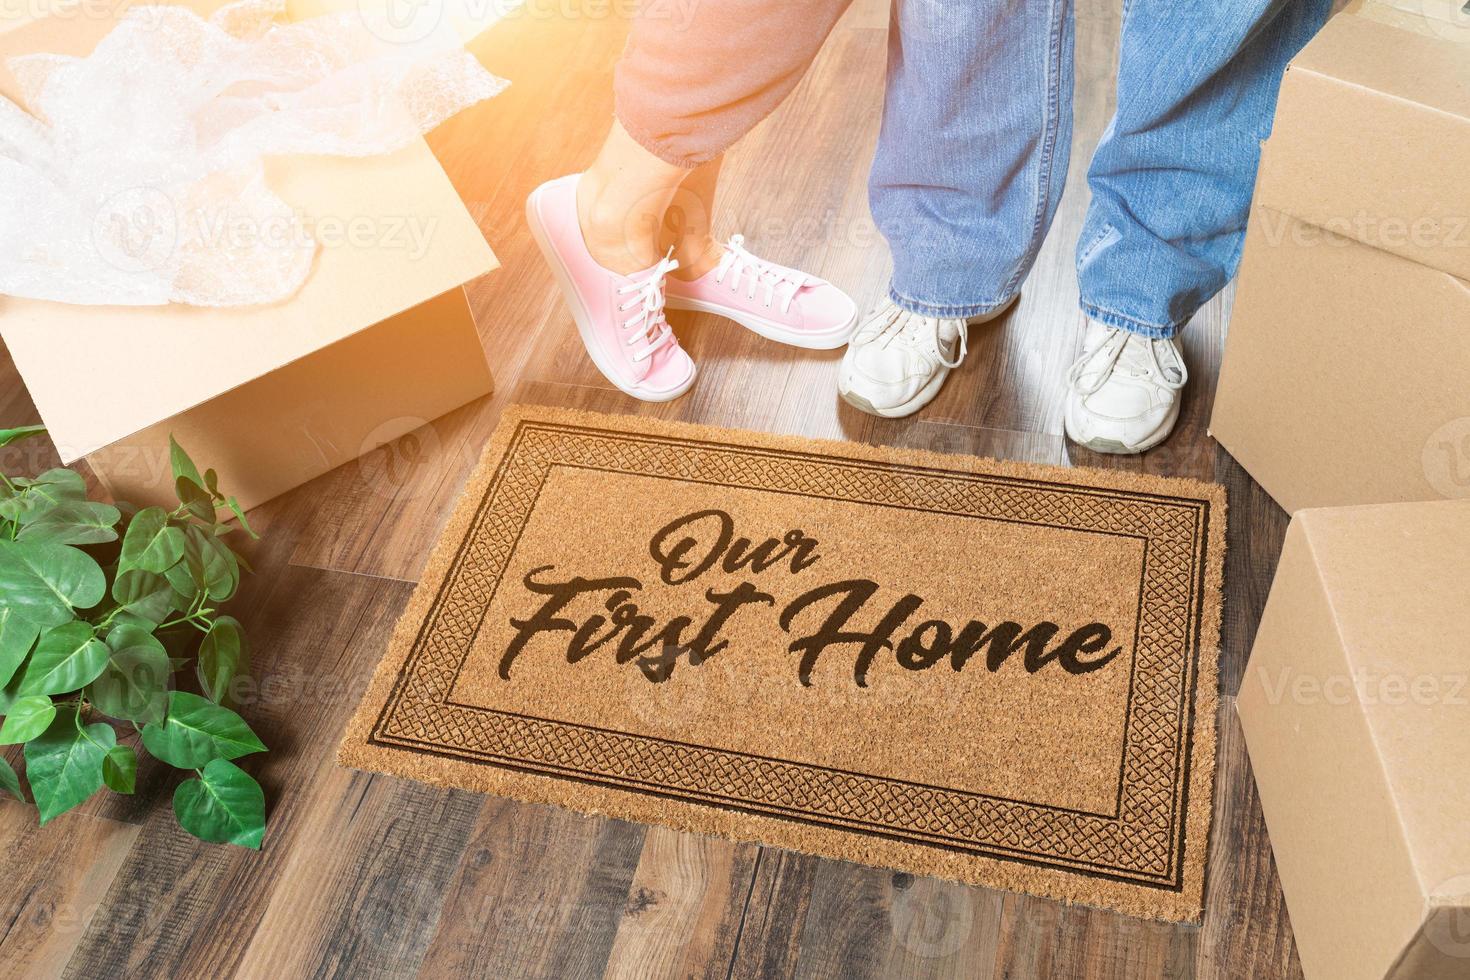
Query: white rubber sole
x,y
924,395
770,329
1116,447
584,322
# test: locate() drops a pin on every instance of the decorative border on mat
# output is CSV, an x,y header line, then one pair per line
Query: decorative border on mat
x,y
1142,844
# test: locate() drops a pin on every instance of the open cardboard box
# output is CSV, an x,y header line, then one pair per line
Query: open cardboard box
x,y
1345,372
1356,712
377,342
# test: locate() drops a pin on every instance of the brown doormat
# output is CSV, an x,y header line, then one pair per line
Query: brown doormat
x,y
993,672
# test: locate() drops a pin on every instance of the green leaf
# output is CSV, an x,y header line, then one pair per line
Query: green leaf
x,y
183,466
239,513
9,781
196,731
7,436
60,483
151,543
187,577
145,597
195,500
64,765
220,654
27,718
51,488
17,636
67,658
74,522
43,582
221,570
224,806
134,683
38,495
120,769
9,694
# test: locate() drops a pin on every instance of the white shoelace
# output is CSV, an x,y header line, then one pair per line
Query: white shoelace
x,y
1134,353
778,281
914,333
648,324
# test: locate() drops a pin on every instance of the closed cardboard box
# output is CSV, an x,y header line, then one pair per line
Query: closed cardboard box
x,y
377,342
1346,376
1356,712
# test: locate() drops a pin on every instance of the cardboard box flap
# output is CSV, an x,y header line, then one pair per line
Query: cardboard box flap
x,y
1397,578
392,234
1371,125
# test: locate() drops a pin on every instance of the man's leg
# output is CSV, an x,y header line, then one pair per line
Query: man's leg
x,y
972,156
971,162
1172,178
1171,187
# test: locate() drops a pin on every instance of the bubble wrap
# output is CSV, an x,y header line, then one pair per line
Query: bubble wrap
x,y
137,178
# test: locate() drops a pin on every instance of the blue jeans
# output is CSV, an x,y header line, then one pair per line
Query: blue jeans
x,y
977,129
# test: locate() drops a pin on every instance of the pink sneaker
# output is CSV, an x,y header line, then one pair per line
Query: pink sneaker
x,y
780,304
620,318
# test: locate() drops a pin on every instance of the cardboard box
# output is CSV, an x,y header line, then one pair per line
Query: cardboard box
x,y
1435,18
1356,712
1344,378
377,342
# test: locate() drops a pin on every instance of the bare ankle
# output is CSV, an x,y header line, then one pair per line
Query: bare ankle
x,y
697,256
606,230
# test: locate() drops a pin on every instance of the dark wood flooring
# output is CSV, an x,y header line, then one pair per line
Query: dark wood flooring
x,y
365,875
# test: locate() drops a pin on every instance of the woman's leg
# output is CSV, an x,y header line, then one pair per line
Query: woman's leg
x,y
685,89
690,84
688,226
621,202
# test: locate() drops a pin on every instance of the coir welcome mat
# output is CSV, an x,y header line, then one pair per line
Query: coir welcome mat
x,y
993,672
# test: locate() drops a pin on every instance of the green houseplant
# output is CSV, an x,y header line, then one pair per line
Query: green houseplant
x,y
100,607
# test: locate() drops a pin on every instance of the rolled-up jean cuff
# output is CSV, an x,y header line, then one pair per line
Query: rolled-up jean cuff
x,y
950,311
1128,323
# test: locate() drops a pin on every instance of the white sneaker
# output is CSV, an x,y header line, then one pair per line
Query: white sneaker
x,y
897,361
1123,392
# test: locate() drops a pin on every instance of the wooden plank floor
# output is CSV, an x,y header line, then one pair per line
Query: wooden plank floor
x,y
365,875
